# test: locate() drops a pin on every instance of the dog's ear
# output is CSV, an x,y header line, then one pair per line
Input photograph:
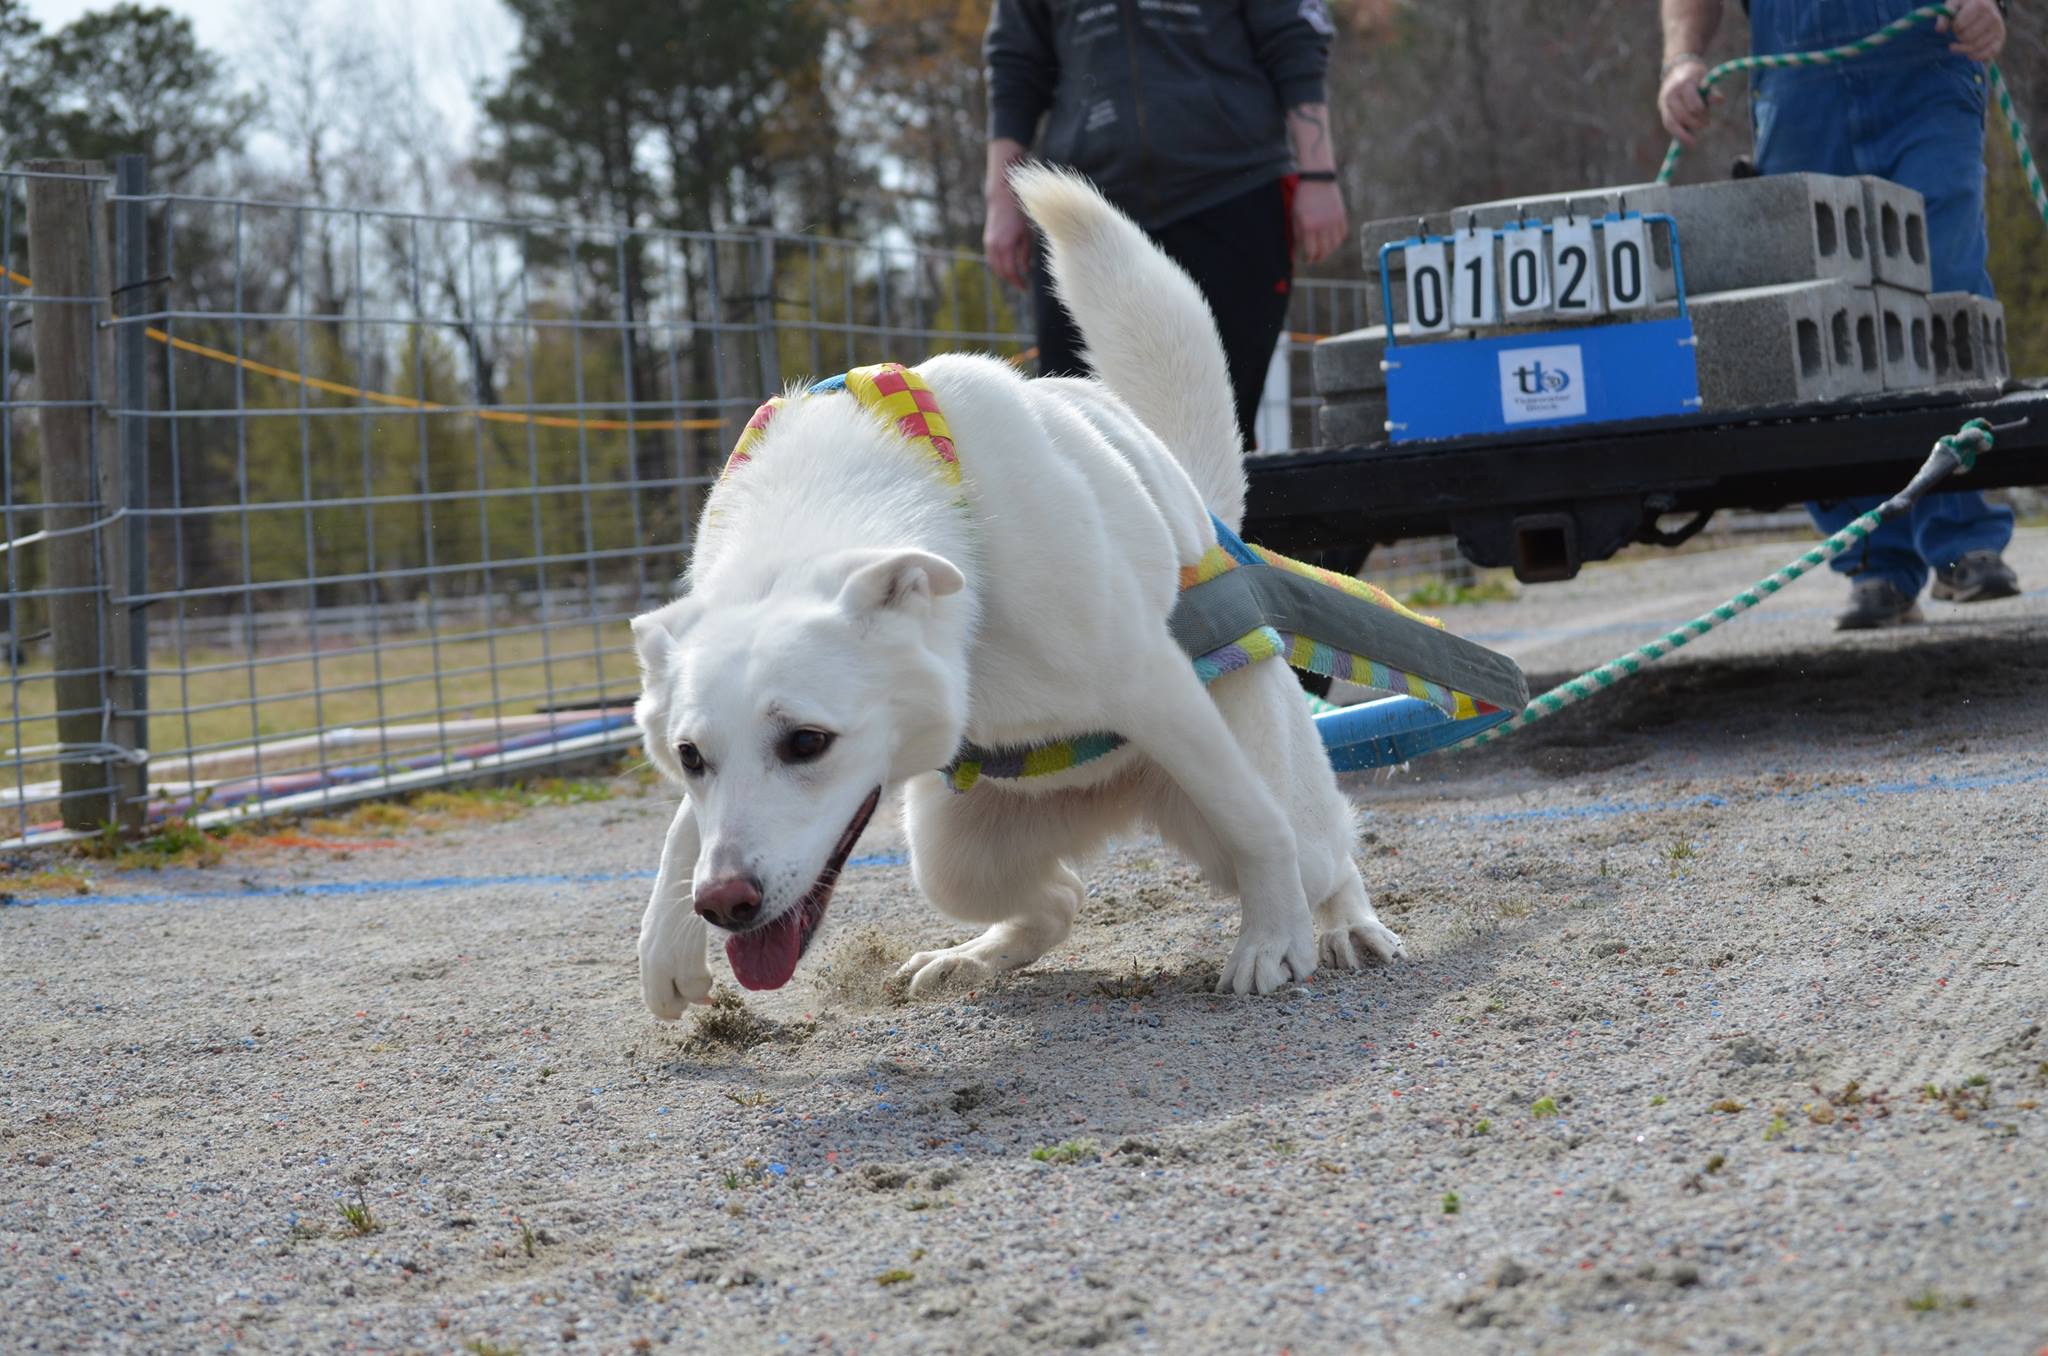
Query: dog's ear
x,y
655,635
876,580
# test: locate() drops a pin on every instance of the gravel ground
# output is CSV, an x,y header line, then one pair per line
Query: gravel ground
x,y
1723,1033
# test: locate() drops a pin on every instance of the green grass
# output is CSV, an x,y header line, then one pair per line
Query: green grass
x,y
1543,1106
1073,1151
1451,1203
1491,588
356,1214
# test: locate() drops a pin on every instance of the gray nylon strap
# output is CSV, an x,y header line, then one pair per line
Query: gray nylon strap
x,y
1219,612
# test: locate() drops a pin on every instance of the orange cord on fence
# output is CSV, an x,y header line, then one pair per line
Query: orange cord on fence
x,y
495,416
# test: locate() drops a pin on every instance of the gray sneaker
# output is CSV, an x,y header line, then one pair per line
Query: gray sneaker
x,y
1978,577
1875,603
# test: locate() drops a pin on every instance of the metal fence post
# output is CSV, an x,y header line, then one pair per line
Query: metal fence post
x,y
68,257
124,479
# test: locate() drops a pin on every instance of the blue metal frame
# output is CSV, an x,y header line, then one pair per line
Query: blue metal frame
x,y
1635,370
1393,730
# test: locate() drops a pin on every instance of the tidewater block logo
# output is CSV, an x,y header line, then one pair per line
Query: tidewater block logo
x,y
1542,383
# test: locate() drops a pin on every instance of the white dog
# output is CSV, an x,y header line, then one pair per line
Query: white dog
x,y
851,618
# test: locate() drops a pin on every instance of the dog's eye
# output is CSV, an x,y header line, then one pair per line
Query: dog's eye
x,y
805,745
687,755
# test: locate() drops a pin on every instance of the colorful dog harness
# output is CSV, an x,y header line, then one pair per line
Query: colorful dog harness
x,y
1239,605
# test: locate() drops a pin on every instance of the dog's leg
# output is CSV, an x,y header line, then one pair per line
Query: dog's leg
x,y
1181,729
673,969
1000,858
1265,710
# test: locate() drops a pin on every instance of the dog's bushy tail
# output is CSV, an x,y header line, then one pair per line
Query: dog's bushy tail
x,y
1149,333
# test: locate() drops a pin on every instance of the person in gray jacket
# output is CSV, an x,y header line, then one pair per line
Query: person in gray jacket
x,y
1204,120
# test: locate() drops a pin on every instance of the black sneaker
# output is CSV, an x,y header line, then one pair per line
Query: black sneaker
x,y
1978,577
1875,603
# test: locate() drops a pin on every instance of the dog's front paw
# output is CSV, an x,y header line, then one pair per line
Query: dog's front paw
x,y
952,967
1267,959
1345,948
673,969
1348,931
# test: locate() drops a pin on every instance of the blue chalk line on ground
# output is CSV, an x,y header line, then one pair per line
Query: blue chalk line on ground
x,y
1602,809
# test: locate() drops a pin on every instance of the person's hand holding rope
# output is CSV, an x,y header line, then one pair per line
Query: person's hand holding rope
x,y
1679,102
1978,27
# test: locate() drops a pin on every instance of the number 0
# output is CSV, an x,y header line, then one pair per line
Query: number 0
x,y
1625,270
1429,298
1522,278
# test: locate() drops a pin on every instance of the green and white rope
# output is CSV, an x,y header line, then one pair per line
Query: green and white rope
x,y
1965,445
2018,131
1849,51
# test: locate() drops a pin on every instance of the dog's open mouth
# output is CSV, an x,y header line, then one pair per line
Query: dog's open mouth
x,y
765,957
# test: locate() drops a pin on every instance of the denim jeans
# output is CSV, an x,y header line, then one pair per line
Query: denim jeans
x,y
1911,112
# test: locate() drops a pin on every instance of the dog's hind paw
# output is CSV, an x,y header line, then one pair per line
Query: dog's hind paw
x,y
1263,963
1004,947
954,967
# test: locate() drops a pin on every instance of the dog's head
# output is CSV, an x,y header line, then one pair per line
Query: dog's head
x,y
785,716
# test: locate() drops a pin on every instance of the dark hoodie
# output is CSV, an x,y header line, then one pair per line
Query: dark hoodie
x,y
1170,106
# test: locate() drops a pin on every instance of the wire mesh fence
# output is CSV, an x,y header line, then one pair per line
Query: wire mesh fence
x,y
360,500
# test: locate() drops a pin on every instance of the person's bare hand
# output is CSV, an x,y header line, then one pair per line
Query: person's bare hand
x,y
1320,224
1679,103
1006,237
1978,26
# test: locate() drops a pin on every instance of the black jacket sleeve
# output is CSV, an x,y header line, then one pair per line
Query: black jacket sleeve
x,y
1291,41
1023,67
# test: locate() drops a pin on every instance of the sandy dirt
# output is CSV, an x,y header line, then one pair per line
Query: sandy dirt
x,y
1723,1032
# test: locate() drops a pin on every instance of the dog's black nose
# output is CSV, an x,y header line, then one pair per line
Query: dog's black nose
x,y
731,901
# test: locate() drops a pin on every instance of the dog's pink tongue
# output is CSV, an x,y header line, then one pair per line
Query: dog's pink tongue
x,y
766,957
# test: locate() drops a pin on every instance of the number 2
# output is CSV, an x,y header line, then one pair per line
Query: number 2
x,y
1573,259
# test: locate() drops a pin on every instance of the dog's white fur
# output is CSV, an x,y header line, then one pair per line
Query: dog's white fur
x,y
837,584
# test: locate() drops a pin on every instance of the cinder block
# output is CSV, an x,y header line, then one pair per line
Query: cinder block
x,y
1347,363
1966,338
1999,364
1855,339
1353,420
1741,234
1954,341
1766,346
1895,227
1905,323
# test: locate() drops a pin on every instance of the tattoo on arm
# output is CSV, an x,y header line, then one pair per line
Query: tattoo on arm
x,y
1308,126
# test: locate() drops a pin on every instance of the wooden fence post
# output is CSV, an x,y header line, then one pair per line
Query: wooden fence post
x,y
71,264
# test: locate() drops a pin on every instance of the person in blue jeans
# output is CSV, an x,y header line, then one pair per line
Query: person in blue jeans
x,y
1911,111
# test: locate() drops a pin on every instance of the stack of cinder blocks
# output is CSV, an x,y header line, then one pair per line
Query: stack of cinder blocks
x,y
1802,288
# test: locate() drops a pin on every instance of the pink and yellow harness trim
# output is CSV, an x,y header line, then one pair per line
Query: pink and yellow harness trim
x,y
897,395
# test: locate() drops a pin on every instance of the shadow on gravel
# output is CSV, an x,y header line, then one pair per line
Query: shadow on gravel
x,y
1958,679
1104,1057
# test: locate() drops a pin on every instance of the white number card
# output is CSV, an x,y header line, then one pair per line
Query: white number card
x,y
1626,244
1474,297
1525,271
1574,268
1429,288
